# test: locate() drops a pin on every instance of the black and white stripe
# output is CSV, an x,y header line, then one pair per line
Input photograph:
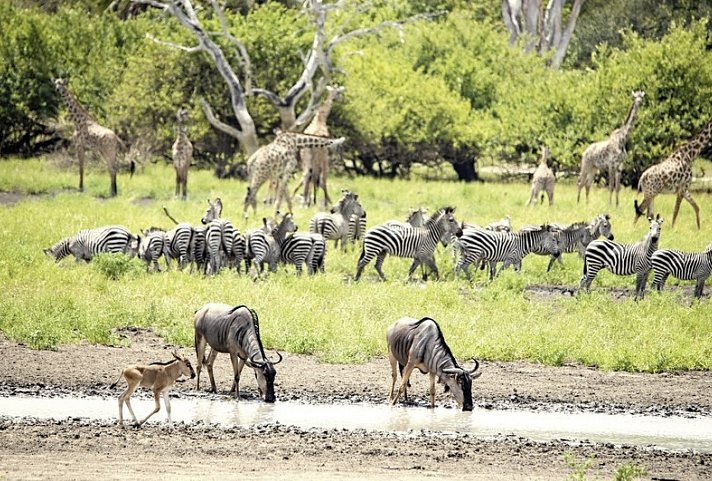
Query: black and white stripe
x,y
219,237
88,243
686,266
178,244
622,259
152,247
335,225
577,236
417,243
298,249
477,244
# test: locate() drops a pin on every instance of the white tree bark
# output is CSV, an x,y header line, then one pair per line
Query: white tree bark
x,y
317,65
542,29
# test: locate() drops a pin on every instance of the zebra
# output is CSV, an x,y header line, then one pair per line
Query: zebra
x,y
508,247
335,225
357,228
219,237
682,265
178,241
263,244
577,236
87,243
198,249
306,249
152,247
418,243
623,259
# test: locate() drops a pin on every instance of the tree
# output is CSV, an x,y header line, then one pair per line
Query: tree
x,y
542,28
318,65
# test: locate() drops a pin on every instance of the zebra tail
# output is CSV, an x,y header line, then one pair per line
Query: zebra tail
x,y
165,209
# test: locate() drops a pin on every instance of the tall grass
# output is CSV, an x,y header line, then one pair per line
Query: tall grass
x,y
46,304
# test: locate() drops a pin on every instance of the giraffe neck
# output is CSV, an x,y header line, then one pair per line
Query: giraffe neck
x,y
79,115
322,114
304,140
630,119
687,152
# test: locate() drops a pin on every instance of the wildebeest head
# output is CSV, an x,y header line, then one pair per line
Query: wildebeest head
x,y
265,374
186,368
459,382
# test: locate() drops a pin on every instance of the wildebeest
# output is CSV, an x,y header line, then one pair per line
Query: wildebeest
x,y
419,343
235,330
159,377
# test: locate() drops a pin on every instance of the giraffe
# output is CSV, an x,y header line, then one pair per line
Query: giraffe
x,y
182,155
543,179
315,161
674,174
90,135
608,154
279,160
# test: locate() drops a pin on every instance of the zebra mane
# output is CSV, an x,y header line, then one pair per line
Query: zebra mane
x,y
576,226
439,213
441,338
154,229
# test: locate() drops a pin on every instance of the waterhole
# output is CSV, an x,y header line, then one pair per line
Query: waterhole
x,y
669,433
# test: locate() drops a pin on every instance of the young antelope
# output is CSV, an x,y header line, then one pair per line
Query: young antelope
x,y
159,377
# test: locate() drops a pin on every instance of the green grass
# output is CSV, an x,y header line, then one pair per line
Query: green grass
x,y
46,304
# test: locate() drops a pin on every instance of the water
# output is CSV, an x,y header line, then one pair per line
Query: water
x,y
670,433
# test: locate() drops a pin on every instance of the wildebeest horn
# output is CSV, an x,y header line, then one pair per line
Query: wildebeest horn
x,y
474,369
452,370
278,360
253,363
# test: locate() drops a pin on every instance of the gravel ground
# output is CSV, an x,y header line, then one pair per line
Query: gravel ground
x,y
80,449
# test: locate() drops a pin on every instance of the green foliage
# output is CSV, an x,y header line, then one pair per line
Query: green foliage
x,y
112,266
629,472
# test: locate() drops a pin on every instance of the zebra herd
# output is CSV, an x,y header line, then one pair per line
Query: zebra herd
x,y
217,244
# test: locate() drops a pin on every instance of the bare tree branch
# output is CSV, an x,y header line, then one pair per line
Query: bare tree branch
x,y
195,49
244,57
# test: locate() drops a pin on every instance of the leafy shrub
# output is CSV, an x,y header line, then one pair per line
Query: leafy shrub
x,y
113,266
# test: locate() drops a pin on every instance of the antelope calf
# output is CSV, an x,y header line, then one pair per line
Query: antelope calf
x,y
159,377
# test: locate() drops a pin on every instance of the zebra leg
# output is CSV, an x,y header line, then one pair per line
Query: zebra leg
x,y
413,267
589,274
641,281
552,259
430,263
700,286
659,280
363,261
379,264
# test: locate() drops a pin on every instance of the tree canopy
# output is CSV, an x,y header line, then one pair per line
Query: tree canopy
x,y
447,88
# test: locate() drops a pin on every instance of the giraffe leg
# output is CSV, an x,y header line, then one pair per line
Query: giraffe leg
x,y
695,207
80,157
678,201
177,184
114,189
322,177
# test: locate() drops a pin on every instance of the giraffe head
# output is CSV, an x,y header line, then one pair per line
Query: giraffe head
x,y
545,155
335,91
182,115
638,96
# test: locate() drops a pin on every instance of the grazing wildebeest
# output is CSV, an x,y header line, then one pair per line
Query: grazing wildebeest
x,y
419,343
159,377
235,330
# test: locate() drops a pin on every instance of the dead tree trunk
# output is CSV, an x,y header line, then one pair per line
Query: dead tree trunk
x,y
542,27
317,64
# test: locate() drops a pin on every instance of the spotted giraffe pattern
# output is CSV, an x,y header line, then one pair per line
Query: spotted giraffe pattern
x,y
279,160
543,179
89,135
608,155
182,151
674,174
315,162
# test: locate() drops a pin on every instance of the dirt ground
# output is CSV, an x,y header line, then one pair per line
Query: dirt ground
x,y
77,448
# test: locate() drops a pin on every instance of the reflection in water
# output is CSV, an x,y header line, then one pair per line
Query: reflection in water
x,y
663,432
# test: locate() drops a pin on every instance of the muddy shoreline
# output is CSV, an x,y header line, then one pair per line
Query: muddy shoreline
x,y
76,448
